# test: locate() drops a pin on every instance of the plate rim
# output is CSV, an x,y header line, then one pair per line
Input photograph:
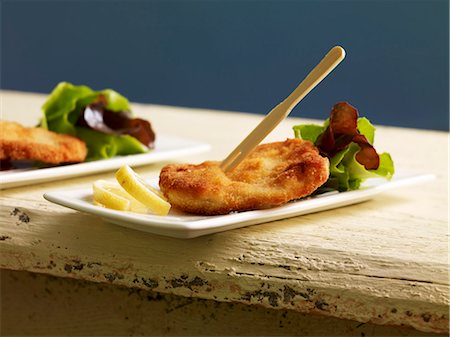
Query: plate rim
x,y
202,225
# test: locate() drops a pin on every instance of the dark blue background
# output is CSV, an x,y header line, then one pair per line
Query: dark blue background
x,y
238,55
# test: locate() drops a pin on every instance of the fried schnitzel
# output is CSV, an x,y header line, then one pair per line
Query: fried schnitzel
x,y
271,175
21,143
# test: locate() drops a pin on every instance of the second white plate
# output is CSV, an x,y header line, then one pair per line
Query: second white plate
x,y
182,225
166,147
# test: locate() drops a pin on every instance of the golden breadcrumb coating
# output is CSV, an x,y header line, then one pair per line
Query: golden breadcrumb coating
x,y
21,143
271,175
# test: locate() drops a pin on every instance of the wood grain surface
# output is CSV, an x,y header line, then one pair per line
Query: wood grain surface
x,y
384,261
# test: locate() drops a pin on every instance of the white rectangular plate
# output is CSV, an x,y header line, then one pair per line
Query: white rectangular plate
x,y
166,147
182,225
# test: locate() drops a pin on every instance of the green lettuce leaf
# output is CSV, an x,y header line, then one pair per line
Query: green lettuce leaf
x,y
62,110
103,146
308,131
345,171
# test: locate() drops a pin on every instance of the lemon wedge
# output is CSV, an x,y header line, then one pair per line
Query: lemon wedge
x,y
142,191
110,195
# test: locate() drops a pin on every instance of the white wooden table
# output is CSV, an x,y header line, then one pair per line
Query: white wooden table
x,y
383,262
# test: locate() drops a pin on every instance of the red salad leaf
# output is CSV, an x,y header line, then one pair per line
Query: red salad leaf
x,y
95,116
341,131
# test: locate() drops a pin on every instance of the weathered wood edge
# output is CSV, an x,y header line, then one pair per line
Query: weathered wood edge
x,y
359,288
304,296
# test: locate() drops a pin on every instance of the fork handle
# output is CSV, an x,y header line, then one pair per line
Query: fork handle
x,y
280,112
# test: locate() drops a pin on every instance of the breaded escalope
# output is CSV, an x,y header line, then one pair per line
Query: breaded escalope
x,y
271,175
21,143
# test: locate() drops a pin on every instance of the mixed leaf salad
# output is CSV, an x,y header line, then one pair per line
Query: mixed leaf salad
x,y
347,140
102,119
